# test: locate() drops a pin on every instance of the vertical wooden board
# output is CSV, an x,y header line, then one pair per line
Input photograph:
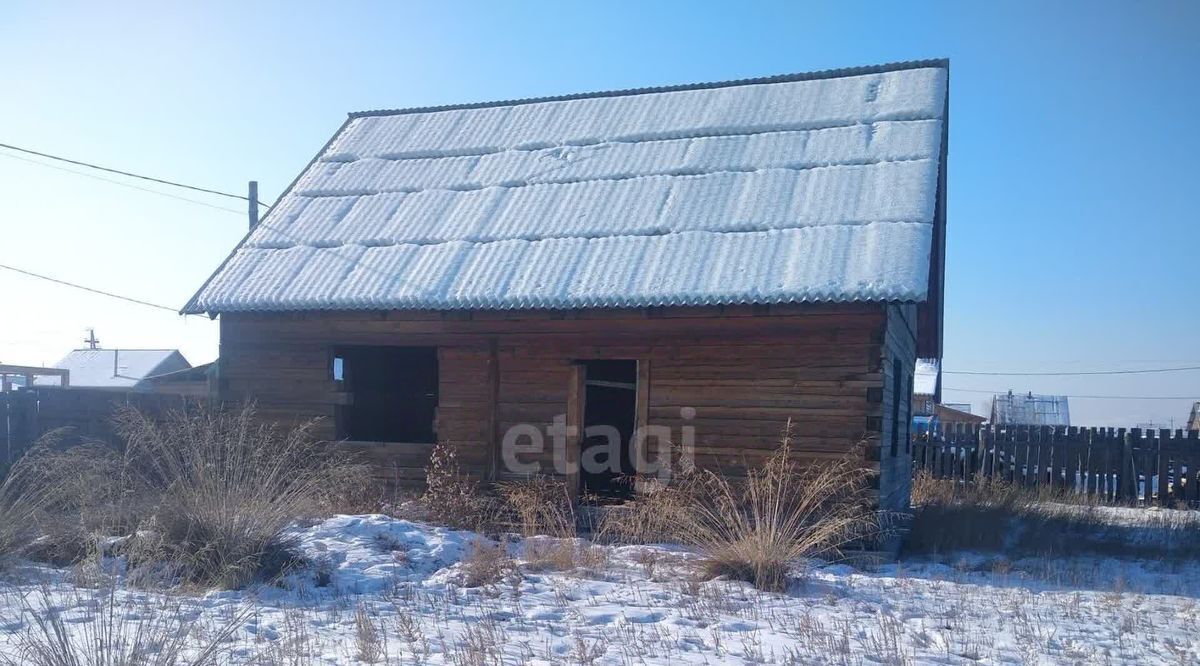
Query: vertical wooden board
x,y
641,420
493,428
1159,460
1044,439
1020,456
575,398
1128,470
1192,461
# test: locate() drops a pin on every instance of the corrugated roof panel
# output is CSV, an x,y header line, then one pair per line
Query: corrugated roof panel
x,y
768,191
690,268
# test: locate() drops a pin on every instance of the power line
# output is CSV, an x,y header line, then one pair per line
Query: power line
x,y
127,173
1070,374
129,185
89,289
1086,397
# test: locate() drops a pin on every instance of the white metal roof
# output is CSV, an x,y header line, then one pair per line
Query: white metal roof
x,y
115,368
806,188
926,376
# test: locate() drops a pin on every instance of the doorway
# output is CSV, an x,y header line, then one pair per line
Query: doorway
x,y
609,418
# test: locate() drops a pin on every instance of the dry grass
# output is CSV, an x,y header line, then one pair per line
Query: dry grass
x,y
541,505
991,514
204,496
755,529
645,519
116,632
21,504
226,487
368,639
487,564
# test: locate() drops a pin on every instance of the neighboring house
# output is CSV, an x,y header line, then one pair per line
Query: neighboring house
x,y
194,381
116,369
1030,409
952,415
720,259
927,389
1194,417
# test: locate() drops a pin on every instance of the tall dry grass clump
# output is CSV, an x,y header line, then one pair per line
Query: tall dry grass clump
x,y
754,529
113,631
226,486
541,505
23,502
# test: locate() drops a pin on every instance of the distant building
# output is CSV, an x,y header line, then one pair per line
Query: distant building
x,y
196,382
1194,418
951,415
927,380
122,369
1030,409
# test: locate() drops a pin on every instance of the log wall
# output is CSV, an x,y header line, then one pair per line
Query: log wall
x,y
744,371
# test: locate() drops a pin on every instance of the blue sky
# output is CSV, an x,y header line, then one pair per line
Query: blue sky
x,y
1073,234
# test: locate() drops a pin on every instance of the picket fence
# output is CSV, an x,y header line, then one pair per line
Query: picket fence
x,y
1114,465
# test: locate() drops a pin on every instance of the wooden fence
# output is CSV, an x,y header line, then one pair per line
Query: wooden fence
x,y
1115,465
27,414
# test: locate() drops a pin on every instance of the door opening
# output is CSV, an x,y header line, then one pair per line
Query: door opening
x,y
609,418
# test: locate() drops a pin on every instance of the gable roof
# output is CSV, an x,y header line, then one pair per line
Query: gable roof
x,y
115,368
807,187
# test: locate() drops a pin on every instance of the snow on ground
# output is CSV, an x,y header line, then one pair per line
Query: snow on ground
x,y
399,580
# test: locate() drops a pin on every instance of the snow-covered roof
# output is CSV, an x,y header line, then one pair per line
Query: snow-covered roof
x,y
115,368
811,187
1030,409
926,376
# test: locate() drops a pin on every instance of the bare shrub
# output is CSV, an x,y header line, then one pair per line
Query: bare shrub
x,y
542,505
452,497
487,564
754,529
226,486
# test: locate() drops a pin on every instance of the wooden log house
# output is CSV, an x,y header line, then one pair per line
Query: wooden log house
x,y
719,257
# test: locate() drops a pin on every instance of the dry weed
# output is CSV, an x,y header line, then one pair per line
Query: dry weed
x,y
993,514
755,529
226,486
453,498
542,505
487,563
116,632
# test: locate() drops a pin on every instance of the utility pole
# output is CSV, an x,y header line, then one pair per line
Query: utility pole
x,y
253,196
91,340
